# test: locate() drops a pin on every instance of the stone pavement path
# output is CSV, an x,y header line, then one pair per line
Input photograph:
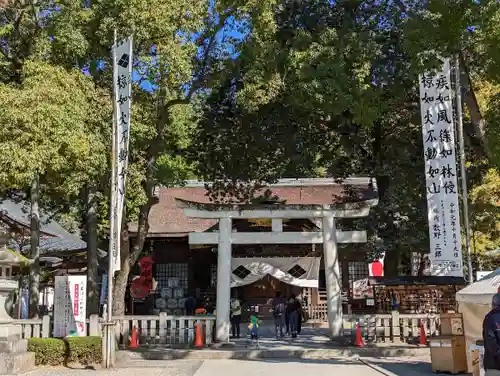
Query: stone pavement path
x,y
341,366
403,366
149,368
281,367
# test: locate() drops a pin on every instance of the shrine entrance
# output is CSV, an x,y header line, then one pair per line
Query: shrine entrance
x,y
258,295
328,237
265,289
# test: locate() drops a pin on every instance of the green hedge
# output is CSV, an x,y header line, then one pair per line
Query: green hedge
x,y
57,351
48,351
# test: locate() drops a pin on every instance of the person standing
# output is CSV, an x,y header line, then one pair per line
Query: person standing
x,y
279,312
235,317
253,328
190,305
491,338
301,314
293,315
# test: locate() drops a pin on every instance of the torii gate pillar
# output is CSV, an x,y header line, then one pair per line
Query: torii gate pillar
x,y
332,276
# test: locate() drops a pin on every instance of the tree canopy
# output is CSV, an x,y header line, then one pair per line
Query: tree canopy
x,y
335,88
45,131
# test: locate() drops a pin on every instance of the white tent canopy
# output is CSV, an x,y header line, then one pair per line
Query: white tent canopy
x,y
481,291
474,302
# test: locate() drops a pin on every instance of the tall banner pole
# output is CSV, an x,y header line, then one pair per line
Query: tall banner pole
x,y
438,133
463,172
122,97
112,226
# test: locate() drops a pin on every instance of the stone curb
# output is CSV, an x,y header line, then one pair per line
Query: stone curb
x,y
208,354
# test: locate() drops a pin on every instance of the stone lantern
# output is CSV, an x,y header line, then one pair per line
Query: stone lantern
x,y
14,355
8,284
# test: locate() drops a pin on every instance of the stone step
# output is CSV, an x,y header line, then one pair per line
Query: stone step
x,y
268,353
16,363
13,346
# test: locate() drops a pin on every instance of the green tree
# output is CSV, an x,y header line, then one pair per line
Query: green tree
x,y
335,86
44,130
485,213
330,88
49,116
180,50
470,30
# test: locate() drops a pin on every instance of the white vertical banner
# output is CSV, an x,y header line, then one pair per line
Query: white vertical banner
x,y
122,80
70,306
441,172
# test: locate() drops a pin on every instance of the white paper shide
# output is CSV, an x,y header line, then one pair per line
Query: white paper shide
x,y
70,308
441,172
123,94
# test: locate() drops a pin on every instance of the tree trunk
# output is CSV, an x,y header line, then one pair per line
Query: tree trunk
x,y
391,263
421,265
120,288
130,255
469,97
35,249
92,259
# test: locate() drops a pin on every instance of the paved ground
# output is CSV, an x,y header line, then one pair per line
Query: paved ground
x,y
342,366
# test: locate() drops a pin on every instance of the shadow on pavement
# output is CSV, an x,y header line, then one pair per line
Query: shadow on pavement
x,y
347,361
404,368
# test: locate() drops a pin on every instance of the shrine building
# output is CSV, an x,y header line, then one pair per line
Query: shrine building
x,y
302,243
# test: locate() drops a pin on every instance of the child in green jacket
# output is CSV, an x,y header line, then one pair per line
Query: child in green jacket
x,y
253,328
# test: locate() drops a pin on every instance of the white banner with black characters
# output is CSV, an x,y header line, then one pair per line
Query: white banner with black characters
x,y
122,67
441,172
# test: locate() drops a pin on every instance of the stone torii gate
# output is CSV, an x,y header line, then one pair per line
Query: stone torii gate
x,y
225,237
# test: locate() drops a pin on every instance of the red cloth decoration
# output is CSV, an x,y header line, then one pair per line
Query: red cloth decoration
x,y
141,286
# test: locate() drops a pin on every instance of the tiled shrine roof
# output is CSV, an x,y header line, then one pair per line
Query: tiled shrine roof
x,y
168,220
53,237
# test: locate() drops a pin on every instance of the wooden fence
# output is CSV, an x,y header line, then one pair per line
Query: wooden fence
x,y
392,327
152,330
180,330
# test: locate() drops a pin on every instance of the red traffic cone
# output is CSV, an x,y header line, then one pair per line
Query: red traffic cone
x,y
134,341
198,340
423,336
359,337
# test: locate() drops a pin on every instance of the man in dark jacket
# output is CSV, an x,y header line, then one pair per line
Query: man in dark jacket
x,y
293,312
491,338
279,312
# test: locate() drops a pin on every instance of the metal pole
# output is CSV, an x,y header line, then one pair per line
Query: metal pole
x,y
463,173
112,234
